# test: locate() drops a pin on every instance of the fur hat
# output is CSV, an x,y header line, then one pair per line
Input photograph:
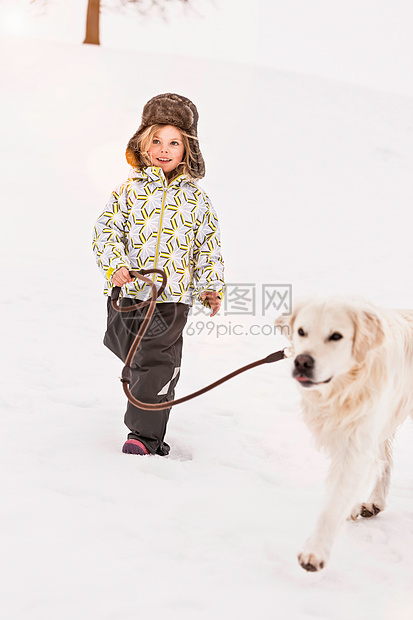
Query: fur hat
x,y
169,109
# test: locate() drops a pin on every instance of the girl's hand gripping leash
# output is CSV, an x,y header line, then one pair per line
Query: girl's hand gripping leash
x,y
127,372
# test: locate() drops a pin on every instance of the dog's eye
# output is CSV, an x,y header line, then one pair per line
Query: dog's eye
x,y
335,336
300,332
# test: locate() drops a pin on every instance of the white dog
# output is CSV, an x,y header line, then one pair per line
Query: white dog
x,y
353,364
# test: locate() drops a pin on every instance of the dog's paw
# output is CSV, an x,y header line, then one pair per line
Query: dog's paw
x,y
370,509
311,562
366,510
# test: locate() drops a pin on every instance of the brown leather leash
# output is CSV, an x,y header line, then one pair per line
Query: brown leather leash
x,y
127,371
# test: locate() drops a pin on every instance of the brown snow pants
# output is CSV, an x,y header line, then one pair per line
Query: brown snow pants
x,y
155,368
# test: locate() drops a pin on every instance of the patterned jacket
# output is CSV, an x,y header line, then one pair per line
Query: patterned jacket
x,y
150,224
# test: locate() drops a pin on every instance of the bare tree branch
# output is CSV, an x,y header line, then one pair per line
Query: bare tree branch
x,y
94,9
143,7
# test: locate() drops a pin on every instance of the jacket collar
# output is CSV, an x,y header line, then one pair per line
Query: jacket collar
x,y
155,175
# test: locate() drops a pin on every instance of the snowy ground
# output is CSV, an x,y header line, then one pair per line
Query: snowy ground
x,y
312,181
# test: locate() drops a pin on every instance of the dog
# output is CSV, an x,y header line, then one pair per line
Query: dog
x,y
353,364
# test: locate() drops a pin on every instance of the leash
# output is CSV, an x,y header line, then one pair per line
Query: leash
x,y
127,371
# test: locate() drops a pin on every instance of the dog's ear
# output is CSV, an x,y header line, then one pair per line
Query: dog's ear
x,y
369,332
286,323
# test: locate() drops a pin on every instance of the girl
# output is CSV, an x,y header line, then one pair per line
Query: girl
x,y
159,218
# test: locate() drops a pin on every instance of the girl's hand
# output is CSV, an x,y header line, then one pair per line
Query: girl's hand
x,y
213,300
121,276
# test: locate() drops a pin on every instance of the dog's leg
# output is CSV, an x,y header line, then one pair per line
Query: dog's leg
x,y
377,500
349,473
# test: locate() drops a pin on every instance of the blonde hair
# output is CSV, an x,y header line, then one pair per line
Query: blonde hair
x,y
138,156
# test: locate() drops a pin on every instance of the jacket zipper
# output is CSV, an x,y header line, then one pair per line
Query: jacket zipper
x,y
159,233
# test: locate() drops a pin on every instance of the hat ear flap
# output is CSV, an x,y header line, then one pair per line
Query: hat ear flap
x,y
132,158
369,333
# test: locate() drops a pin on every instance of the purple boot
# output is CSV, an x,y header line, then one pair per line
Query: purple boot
x,y
134,446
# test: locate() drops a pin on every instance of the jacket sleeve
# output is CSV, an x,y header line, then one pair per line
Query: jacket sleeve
x,y
208,261
109,238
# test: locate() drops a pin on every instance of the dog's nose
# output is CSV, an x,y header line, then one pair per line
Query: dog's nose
x,y
304,363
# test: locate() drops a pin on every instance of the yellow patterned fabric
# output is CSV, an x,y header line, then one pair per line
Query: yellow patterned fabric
x,y
149,223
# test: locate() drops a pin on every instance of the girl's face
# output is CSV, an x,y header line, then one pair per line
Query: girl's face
x,y
167,148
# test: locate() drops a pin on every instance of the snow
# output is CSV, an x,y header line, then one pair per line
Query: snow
x,y
361,42
312,182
